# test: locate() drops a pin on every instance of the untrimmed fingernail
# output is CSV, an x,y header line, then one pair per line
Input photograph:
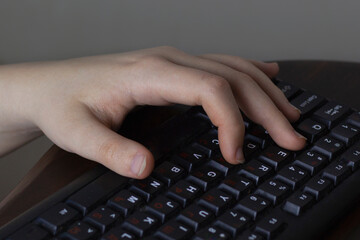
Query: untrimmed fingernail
x,y
299,135
240,156
138,164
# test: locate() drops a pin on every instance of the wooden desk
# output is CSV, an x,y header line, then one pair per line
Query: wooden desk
x,y
337,80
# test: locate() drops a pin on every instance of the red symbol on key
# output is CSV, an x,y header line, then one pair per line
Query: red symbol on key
x,y
74,230
97,215
118,199
178,190
158,205
168,229
134,221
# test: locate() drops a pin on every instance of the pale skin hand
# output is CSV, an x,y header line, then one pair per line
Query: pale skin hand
x,y
78,103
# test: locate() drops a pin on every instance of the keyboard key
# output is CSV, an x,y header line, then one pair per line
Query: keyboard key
x,y
237,186
212,233
118,233
318,187
253,205
352,157
125,202
215,200
249,148
174,230
168,173
250,236
270,226
307,101
273,190
346,133
100,189
275,156
354,119
311,130
140,223
57,217
331,113
329,146
102,218
337,172
30,231
183,192
219,163
205,176
298,202
209,142
233,221
195,216
190,157
288,89
292,175
311,161
259,135
256,171
147,188
80,231
163,208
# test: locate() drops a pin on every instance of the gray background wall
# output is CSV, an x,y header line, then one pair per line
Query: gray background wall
x,y
265,30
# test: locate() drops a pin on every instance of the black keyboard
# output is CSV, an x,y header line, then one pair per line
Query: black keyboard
x,y
193,193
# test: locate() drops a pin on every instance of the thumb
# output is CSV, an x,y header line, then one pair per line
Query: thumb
x,y
91,139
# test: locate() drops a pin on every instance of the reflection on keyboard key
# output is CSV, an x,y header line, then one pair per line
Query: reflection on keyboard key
x,y
270,226
211,233
329,146
253,205
57,217
174,230
183,192
311,130
163,208
311,161
140,223
215,200
147,188
337,172
292,175
318,187
298,202
80,231
273,190
233,221
195,216
118,233
100,189
275,156
237,186
125,202
102,218
331,113
256,171
205,176
307,101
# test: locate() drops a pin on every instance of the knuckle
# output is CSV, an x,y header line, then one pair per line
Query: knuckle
x,y
150,61
215,84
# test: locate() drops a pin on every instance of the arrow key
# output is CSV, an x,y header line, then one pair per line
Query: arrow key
x,y
102,218
80,231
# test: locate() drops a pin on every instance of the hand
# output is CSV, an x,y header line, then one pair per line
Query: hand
x,y
78,103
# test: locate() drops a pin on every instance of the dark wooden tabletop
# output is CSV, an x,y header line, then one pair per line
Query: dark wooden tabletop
x,y
338,81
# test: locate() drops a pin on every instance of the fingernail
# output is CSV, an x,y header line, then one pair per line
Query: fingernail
x,y
295,108
299,135
240,156
138,164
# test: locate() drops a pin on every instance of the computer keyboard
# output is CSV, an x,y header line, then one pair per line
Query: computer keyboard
x,y
193,193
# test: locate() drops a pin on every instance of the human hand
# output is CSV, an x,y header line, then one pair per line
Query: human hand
x,y
78,103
